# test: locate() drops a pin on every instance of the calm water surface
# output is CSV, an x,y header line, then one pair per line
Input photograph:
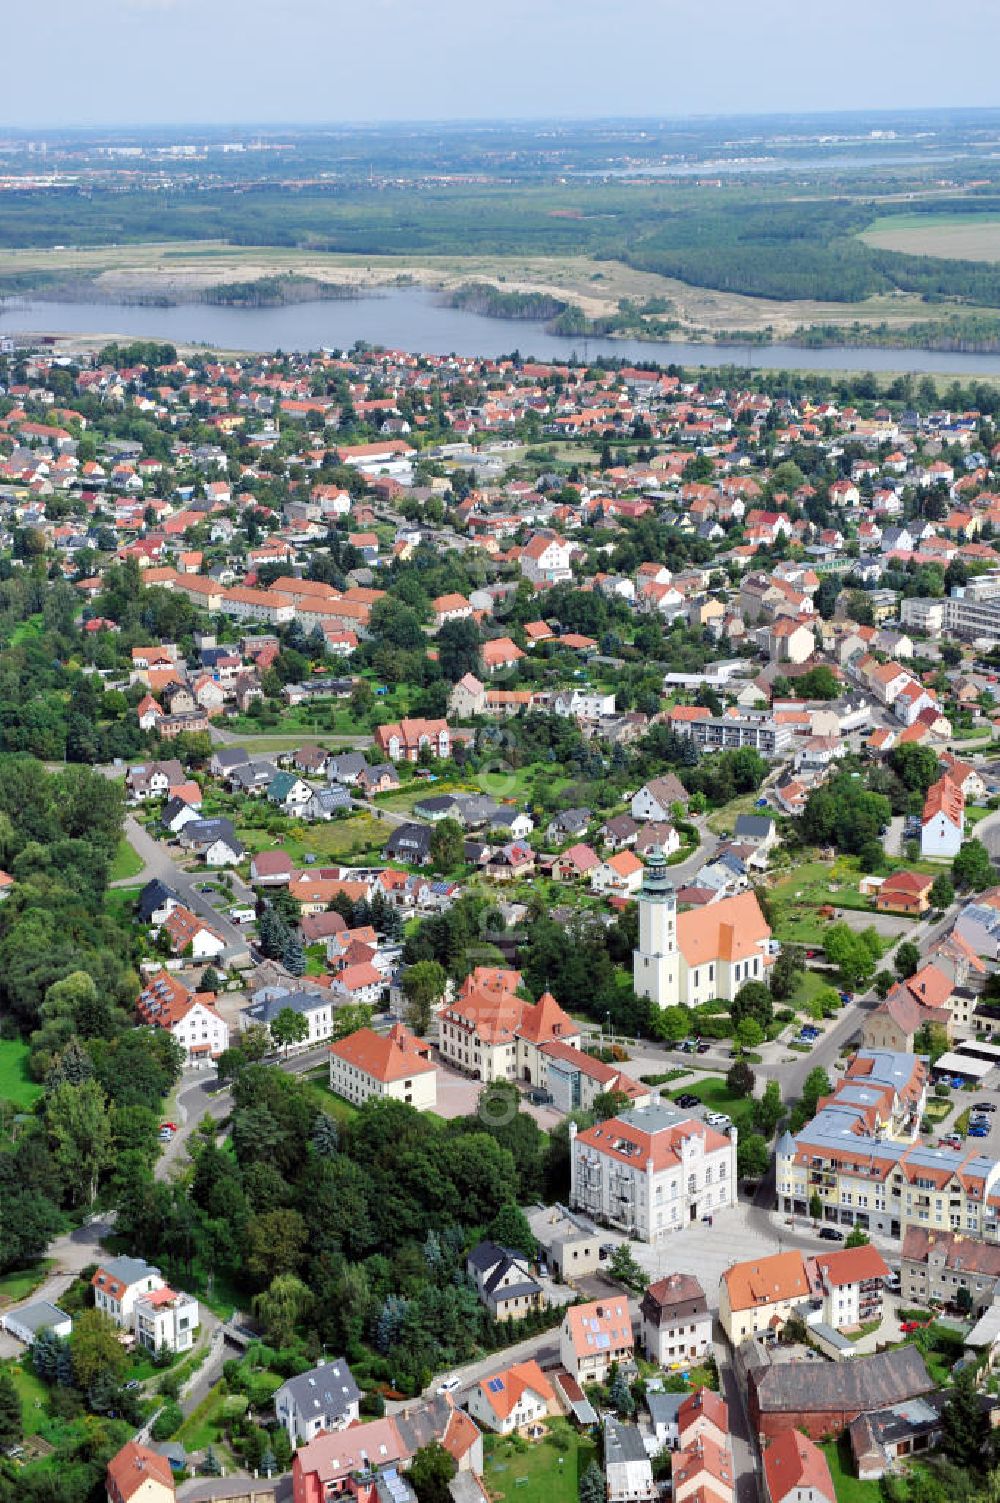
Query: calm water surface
x,y
412,318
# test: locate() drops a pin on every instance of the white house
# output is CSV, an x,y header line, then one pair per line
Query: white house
x,y
942,828
324,1399
165,1319
509,1400
545,559
317,1007
119,1283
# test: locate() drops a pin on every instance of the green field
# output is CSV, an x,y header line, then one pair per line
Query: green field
x,y
546,1471
126,863
341,839
713,1092
33,1395
16,1083
16,1286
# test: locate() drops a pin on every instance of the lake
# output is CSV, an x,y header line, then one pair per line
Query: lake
x,y
413,319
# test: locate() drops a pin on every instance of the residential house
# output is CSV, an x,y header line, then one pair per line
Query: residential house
x,y
676,1324
942,825
656,799
191,1018
938,1265
191,936
136,1474
505,1282
905,892
406,740
620,875
323,1400
410,843
316,1005
214,840
797,1471
165,1320
117,1284
595,1335
758,1296
512,1399
488,1031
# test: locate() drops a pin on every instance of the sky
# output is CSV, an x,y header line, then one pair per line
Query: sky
x,y
146,62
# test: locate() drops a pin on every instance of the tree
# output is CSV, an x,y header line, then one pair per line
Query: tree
x,y
423,987
289,1027
816,1206
592,1488
749,1034
942,891
281,1306
95,1349
620,1396
447,845
753,1000
883,983
752,1157
625,1269
608,1104
167,1422
509,1228
80,1132
785,972
11,1426
965,1423
430,1473
907,959
325,1136
768,1110
851,953
817,1084
276,1243
740,1079
857,1237
458,645
293,958
972,866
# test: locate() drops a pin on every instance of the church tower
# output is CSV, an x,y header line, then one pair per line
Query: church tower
x,y
656,964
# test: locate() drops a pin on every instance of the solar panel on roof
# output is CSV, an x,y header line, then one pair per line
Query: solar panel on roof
x,y
495,1385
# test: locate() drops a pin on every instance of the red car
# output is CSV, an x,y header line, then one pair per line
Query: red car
x,y
913,1325
169,1126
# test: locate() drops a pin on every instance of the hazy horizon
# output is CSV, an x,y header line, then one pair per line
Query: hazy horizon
x,y
142,64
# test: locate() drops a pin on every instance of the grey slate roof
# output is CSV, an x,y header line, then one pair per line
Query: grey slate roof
x,y
152,897
39,1316
329,1389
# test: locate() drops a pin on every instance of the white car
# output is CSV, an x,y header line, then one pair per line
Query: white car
x,y
449,1385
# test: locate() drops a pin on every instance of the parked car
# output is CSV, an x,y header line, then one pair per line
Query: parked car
x,y
979,1132
688,1099
831,1234
985,1106
449,1385
703,1048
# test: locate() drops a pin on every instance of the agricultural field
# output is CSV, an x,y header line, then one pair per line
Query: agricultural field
x,y
958,237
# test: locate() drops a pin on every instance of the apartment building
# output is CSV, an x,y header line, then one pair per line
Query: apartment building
x,y
937,1265
859,1164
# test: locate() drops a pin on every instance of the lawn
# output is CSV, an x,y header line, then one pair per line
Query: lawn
x,y
16,1083
203,1427
326,1100
848,1488
16,1286
713,1092
723,821
33,1395
126,863
359,835
807,989
546,1471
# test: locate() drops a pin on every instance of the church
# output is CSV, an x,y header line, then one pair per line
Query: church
x,y
701,954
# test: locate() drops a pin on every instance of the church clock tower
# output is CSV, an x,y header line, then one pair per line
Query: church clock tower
x,y
656,964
